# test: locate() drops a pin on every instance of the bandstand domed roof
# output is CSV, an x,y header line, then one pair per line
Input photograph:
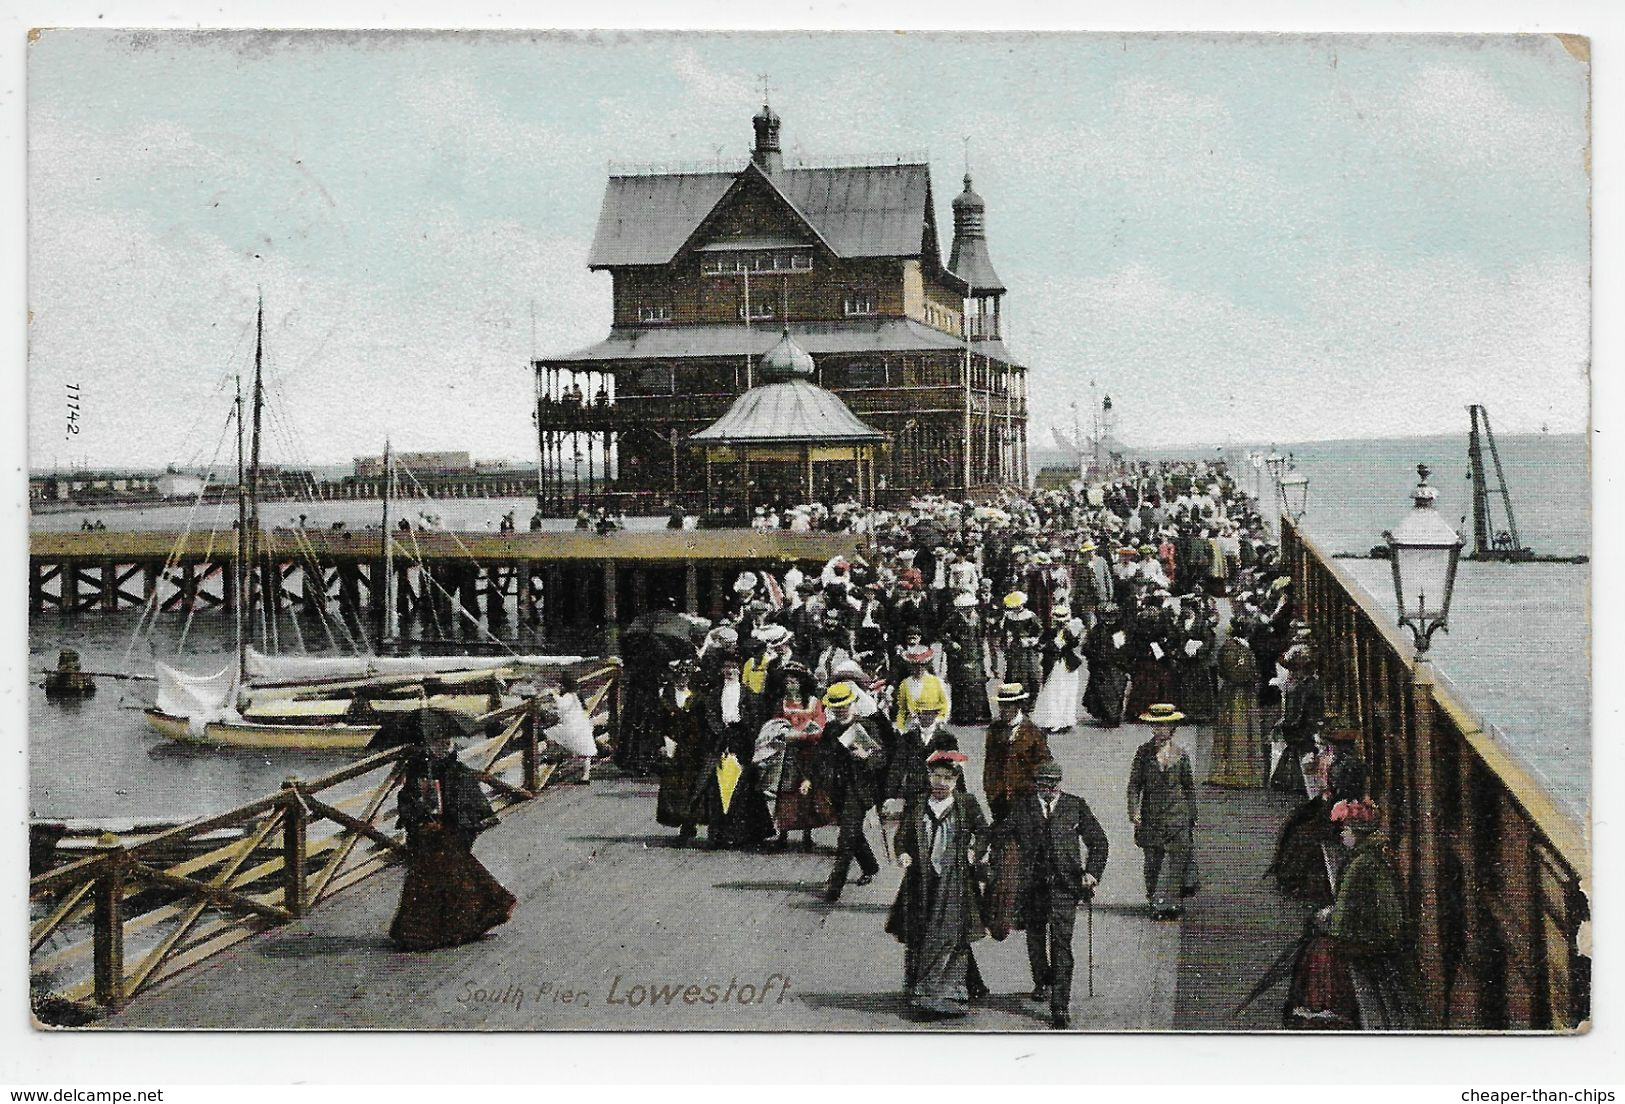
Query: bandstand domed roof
x,y
788,408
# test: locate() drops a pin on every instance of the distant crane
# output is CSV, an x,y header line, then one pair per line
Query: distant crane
x,y
1489,542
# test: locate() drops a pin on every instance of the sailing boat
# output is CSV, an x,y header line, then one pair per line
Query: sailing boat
x,y
316,703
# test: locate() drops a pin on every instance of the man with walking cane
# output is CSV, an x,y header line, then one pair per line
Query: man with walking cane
x,y
1047,827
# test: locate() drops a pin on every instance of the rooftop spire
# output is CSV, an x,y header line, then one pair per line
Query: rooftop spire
x,y
969,260
766,153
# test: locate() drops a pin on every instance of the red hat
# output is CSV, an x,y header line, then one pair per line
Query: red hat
x,y
953,758
912,577
1361,815
917,654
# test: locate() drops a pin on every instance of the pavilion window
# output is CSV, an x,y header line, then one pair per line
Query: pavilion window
x,y
865,373
860,303
654,312
759,309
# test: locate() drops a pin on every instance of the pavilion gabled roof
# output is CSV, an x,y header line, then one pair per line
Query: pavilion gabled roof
x,y
856,211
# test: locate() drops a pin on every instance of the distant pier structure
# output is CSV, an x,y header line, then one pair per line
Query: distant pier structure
x,y
712,264
447,585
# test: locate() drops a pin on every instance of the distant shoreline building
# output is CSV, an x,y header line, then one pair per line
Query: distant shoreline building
x,y
711,266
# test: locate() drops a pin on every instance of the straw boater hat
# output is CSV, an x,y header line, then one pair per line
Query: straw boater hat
x,y
1015,600
945,759
1012,692
841,694
917,654
1048,772
1162,714
1086,546
1126,553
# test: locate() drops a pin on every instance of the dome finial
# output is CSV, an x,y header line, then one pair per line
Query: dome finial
x,y
786,361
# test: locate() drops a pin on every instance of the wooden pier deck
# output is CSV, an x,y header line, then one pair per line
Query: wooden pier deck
x,y
607,904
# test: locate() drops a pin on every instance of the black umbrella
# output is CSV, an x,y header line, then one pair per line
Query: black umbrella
x,y
658,637
1279,971
421,726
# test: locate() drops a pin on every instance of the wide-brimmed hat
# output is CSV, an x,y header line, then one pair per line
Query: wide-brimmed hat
x,y
917,654
1048,772
964,599
1086,546
1015,599
772,635
745,583
839,695
945,759
1162,713
1012,692
1126,553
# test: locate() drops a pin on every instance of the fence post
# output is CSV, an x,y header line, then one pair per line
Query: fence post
x,y
1424,794
528,746
109,924
294,821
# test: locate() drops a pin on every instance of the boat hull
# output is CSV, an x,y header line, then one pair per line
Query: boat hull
x,y
258,736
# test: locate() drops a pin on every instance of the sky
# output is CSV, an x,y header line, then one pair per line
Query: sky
x,y
1239,238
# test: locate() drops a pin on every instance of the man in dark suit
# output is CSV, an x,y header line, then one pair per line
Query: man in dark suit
x,y
847,760
1015,749
1048,827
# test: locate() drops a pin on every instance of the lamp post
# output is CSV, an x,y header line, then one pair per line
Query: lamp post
x,y
1294,488
1424,551
1274,462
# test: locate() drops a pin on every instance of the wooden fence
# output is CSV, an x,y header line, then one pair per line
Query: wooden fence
x,y
116,923
1497,874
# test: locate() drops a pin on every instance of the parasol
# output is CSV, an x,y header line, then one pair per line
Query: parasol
x,y
728,772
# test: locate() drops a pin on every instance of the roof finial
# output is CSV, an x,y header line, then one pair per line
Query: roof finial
x,y
766,88
967,161
766,152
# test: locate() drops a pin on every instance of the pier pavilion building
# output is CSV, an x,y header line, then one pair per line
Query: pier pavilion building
x,y
712,264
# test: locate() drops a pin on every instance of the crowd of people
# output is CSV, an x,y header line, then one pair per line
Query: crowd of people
x,y
831,691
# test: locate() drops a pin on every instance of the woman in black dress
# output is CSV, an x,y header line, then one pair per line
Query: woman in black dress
x,y
448,897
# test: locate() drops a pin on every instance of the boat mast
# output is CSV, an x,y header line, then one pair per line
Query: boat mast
x,y
239,574
388,581
254,460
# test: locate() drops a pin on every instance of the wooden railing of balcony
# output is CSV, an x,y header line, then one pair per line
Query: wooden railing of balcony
x,y
1497,873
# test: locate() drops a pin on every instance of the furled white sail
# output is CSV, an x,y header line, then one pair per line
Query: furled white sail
x,y
262,668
